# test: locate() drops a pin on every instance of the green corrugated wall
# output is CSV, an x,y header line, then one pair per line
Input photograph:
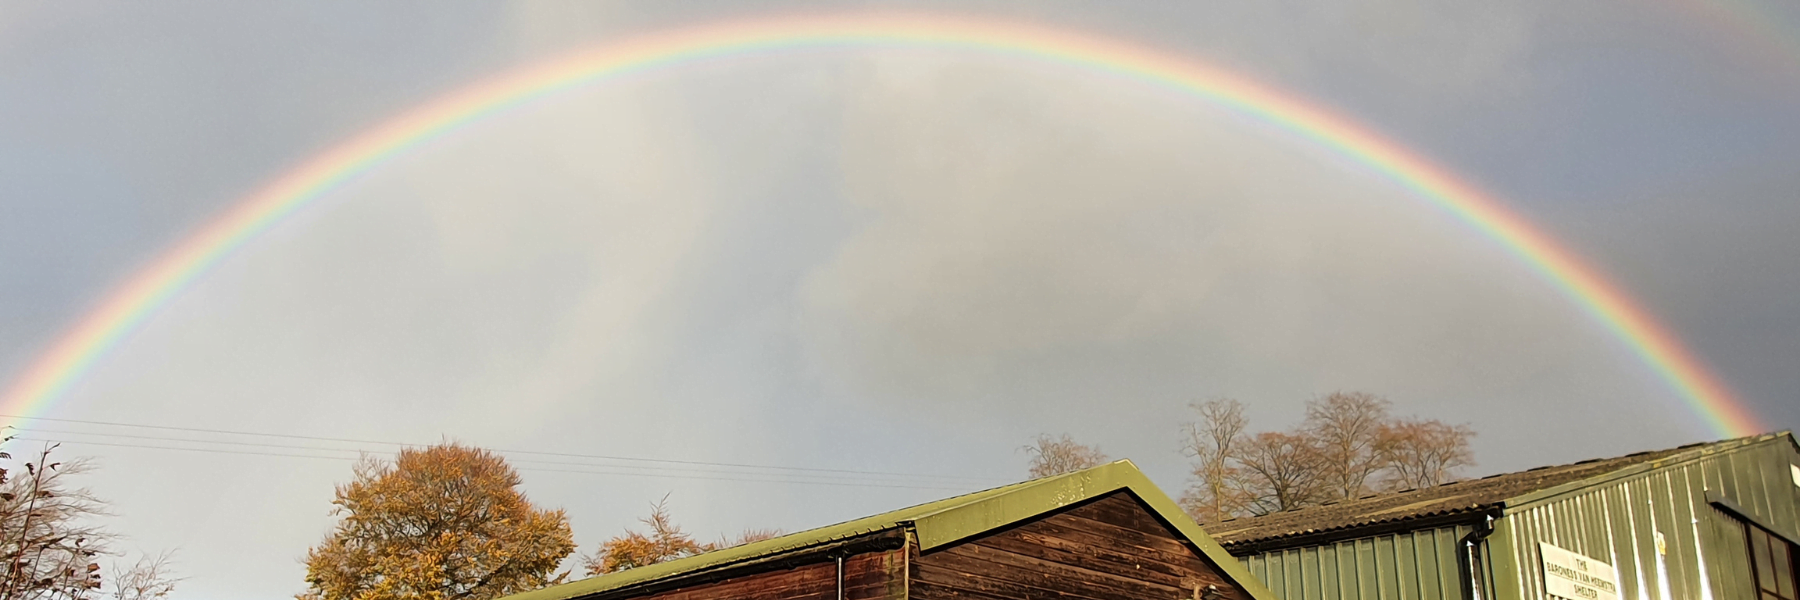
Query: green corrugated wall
x,y
1616,521
1416,565
1611,518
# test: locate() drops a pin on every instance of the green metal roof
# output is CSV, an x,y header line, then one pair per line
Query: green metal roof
x,y
938,523
1682,454
1504,492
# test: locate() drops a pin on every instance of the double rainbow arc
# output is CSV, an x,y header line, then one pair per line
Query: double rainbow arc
x,y
76,352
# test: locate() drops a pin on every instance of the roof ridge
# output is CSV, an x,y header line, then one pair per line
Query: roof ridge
x,y
935,524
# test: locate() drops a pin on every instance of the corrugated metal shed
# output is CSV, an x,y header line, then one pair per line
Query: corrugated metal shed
x,y
1670,522
1401,509
1655,522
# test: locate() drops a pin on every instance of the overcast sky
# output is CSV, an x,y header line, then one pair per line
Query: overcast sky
x,y
876,260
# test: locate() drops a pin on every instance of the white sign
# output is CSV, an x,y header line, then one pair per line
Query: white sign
x,y
1576,577
1796,469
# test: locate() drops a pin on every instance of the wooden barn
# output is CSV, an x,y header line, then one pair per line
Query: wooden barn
x,y
1104,533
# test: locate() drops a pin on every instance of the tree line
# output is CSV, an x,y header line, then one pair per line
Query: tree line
x,y
444,522
1350,445
449,522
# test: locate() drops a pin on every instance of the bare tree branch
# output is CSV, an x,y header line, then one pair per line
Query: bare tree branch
x,y
1346,428
1422,453
1053,455
1281,471
1214,441
148,579
50,543
1347,447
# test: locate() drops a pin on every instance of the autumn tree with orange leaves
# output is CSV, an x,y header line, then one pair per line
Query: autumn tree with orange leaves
x,y
440,523
665,542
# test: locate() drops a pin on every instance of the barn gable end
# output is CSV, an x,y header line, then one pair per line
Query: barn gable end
x,y
1104,533
1110,548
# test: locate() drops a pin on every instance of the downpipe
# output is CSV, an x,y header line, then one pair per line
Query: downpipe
x,y
1467,558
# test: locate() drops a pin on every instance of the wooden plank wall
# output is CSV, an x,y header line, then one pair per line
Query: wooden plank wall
x,y
1109,549
869,576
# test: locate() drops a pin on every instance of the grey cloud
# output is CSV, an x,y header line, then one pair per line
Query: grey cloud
x,y
1038,247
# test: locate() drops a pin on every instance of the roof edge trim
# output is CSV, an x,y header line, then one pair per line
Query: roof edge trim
x,y
1552,494
1322,537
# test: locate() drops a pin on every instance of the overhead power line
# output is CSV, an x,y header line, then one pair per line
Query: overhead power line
x,y
527,469
664,468
508,451
637,469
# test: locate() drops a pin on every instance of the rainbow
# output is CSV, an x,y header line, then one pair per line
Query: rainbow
x,y
130,305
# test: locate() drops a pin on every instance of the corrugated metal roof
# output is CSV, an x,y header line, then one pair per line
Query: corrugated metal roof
x,y
936,524
1470,497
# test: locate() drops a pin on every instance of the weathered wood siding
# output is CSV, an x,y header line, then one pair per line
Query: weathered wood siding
x,y
870,576
1112,548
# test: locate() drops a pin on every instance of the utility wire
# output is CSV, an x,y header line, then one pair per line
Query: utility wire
x,y
529,469
170,439
830,478
77,442
983,480
539,453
